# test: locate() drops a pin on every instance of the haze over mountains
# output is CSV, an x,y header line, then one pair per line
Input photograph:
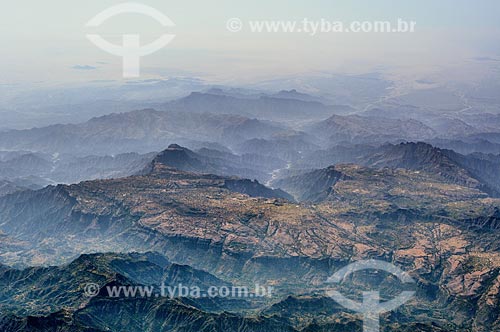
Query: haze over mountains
x,y
238,186
221,226
260,154
227,119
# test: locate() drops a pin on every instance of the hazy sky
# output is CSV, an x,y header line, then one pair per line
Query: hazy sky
x,y
45,40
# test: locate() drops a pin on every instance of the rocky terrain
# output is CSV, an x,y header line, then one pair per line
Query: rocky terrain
x,y
278,189
334,172
445,234
205,160
477,170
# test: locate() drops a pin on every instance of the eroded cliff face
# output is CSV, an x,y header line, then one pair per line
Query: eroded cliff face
x,y
439,232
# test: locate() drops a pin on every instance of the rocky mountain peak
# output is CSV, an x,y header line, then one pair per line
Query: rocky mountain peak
x,y
423,157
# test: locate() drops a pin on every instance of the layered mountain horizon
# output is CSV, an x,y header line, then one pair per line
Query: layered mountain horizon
x,y
179,166
226,189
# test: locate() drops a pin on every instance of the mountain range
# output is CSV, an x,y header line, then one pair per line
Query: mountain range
x,y
475,170
445,234
201,119
242,187
138,131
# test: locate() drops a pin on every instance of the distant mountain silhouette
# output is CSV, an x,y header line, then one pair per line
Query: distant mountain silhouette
x,y
359,129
